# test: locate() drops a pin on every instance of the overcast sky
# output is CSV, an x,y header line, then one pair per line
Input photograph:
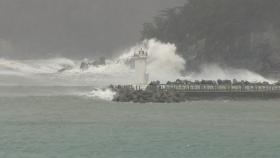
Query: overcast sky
x,y
73,28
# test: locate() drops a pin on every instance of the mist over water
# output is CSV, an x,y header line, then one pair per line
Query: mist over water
x,y
214,72
163,65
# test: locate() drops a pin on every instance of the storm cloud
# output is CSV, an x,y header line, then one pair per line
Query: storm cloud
x,y
71,28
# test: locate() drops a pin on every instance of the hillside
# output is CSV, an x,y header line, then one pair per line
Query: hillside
x,y
234,33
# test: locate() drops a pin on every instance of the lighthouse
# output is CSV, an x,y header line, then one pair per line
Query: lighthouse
x,y
140,60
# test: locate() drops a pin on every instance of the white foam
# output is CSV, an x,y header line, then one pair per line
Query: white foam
x,y
103,94
214,72
163,64
36,66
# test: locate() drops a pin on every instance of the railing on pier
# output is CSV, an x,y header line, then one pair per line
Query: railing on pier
x,y
220,88
205,88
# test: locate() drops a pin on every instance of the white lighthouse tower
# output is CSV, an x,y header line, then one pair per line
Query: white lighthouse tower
x,y
140,60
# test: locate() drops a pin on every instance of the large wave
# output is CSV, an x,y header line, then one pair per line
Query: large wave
x,y
214,72
163,65
35,66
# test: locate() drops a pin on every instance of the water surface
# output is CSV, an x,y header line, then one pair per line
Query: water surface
x,y
44,122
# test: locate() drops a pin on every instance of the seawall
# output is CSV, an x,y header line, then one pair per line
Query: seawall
x,y
184,92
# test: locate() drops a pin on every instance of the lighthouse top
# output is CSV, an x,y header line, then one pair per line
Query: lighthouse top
x,y
140,54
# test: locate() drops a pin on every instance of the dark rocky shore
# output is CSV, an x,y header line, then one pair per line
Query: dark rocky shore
x,y
145,96
181,91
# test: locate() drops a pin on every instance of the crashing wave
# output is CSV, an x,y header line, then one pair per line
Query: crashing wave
x,y
163,64
37,66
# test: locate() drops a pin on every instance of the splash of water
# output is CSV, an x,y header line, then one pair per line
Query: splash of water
x,y
163,64
35,66
215,72
103,94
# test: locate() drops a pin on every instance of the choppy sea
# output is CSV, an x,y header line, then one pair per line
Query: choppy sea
x,y
57,122
51,109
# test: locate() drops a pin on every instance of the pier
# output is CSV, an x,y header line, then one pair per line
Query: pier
x,y
221,88
252,87
183,90
198,90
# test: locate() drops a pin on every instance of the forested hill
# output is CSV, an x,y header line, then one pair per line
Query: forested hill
x,y
235,33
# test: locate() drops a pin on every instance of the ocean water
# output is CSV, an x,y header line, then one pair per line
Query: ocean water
x,y
61,122
50,108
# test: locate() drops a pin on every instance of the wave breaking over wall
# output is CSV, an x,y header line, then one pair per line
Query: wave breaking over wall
x,y
163,65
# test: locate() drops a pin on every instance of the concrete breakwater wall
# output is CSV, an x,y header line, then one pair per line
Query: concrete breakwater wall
x,y
221,88
184,92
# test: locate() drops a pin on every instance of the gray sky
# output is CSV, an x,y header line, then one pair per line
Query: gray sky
x,y
73,28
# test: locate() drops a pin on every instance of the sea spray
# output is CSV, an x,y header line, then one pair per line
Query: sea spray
x,y
214,72
47,66
103,94
164,64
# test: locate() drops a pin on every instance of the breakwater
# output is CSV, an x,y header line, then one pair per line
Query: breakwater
x,y
181,91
